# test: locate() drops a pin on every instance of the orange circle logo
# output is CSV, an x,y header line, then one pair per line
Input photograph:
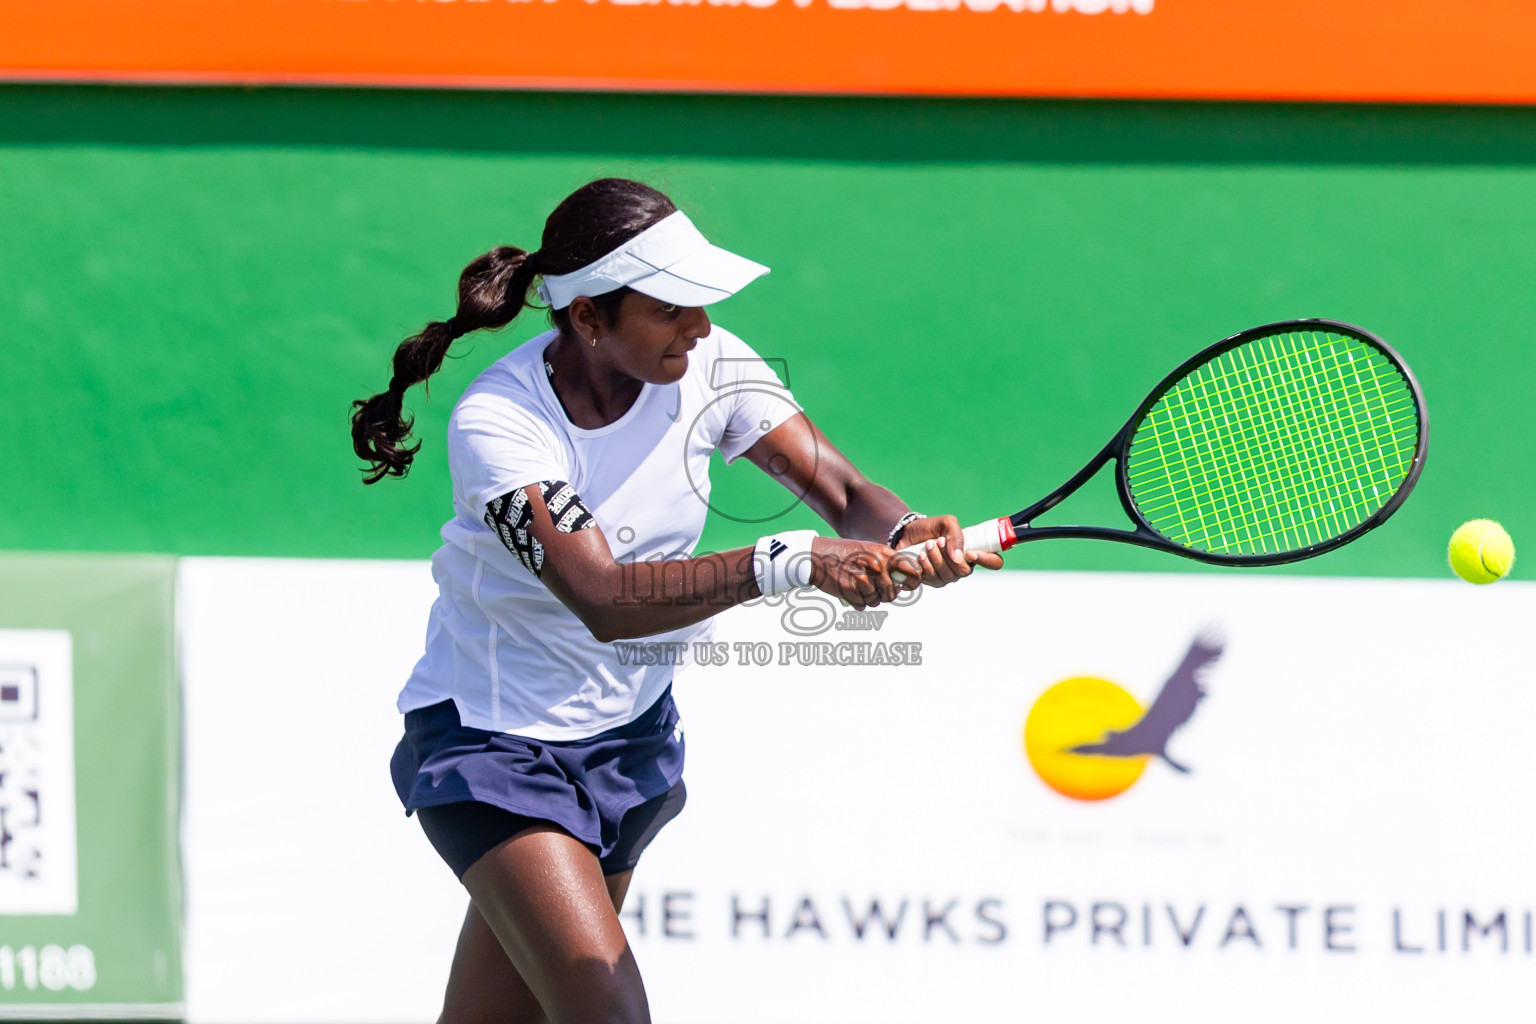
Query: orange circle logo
x,y
1090,740
1073,713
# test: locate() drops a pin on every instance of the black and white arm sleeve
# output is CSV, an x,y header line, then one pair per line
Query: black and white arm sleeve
x,y
510,517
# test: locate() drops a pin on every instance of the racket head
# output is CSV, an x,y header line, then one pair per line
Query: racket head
x,y
1276,444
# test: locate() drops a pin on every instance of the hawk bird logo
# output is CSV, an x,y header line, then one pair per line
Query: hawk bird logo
x,y
1175,705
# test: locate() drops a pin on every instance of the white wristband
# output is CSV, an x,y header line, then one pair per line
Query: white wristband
x,y
782,561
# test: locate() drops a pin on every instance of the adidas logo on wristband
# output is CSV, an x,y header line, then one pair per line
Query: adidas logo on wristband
x,y
782,561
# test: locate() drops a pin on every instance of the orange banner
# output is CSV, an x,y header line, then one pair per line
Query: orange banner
x,y
1358,50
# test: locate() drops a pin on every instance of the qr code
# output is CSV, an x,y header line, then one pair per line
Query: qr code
x,y
37,776
21,776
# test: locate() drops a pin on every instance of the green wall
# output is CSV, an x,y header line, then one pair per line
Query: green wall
x,y
971,295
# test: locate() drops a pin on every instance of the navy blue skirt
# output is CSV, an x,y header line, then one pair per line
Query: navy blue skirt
x,y
584,786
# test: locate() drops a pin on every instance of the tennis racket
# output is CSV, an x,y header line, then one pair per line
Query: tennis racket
x,y
1276,444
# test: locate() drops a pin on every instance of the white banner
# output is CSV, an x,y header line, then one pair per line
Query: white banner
x,y
1350,837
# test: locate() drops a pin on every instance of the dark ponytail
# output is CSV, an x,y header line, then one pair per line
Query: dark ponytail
x,y
588,224
492,290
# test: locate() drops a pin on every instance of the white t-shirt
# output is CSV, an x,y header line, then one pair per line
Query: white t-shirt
x,y
509,654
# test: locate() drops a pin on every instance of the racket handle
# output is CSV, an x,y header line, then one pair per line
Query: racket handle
x,y
994,535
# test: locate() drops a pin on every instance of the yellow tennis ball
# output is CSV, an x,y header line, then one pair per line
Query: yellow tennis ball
x,y
1481,552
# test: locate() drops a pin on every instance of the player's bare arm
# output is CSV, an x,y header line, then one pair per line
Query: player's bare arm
x,y
626,600
800,456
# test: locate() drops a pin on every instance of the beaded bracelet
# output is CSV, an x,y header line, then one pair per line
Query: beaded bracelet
x,y
901,527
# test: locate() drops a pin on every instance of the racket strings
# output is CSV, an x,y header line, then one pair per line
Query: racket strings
x,y
1311,464
1290,492
1275,445
1286,495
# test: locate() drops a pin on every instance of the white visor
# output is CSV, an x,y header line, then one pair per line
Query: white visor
x,y
670,261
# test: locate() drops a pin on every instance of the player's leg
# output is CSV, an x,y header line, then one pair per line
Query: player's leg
x,y
484,987
543,897
618,887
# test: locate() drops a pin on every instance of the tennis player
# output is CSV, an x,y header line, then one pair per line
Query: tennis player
x,y
539,761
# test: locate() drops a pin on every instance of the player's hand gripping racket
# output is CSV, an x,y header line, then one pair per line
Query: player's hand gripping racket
x,y
1277,444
